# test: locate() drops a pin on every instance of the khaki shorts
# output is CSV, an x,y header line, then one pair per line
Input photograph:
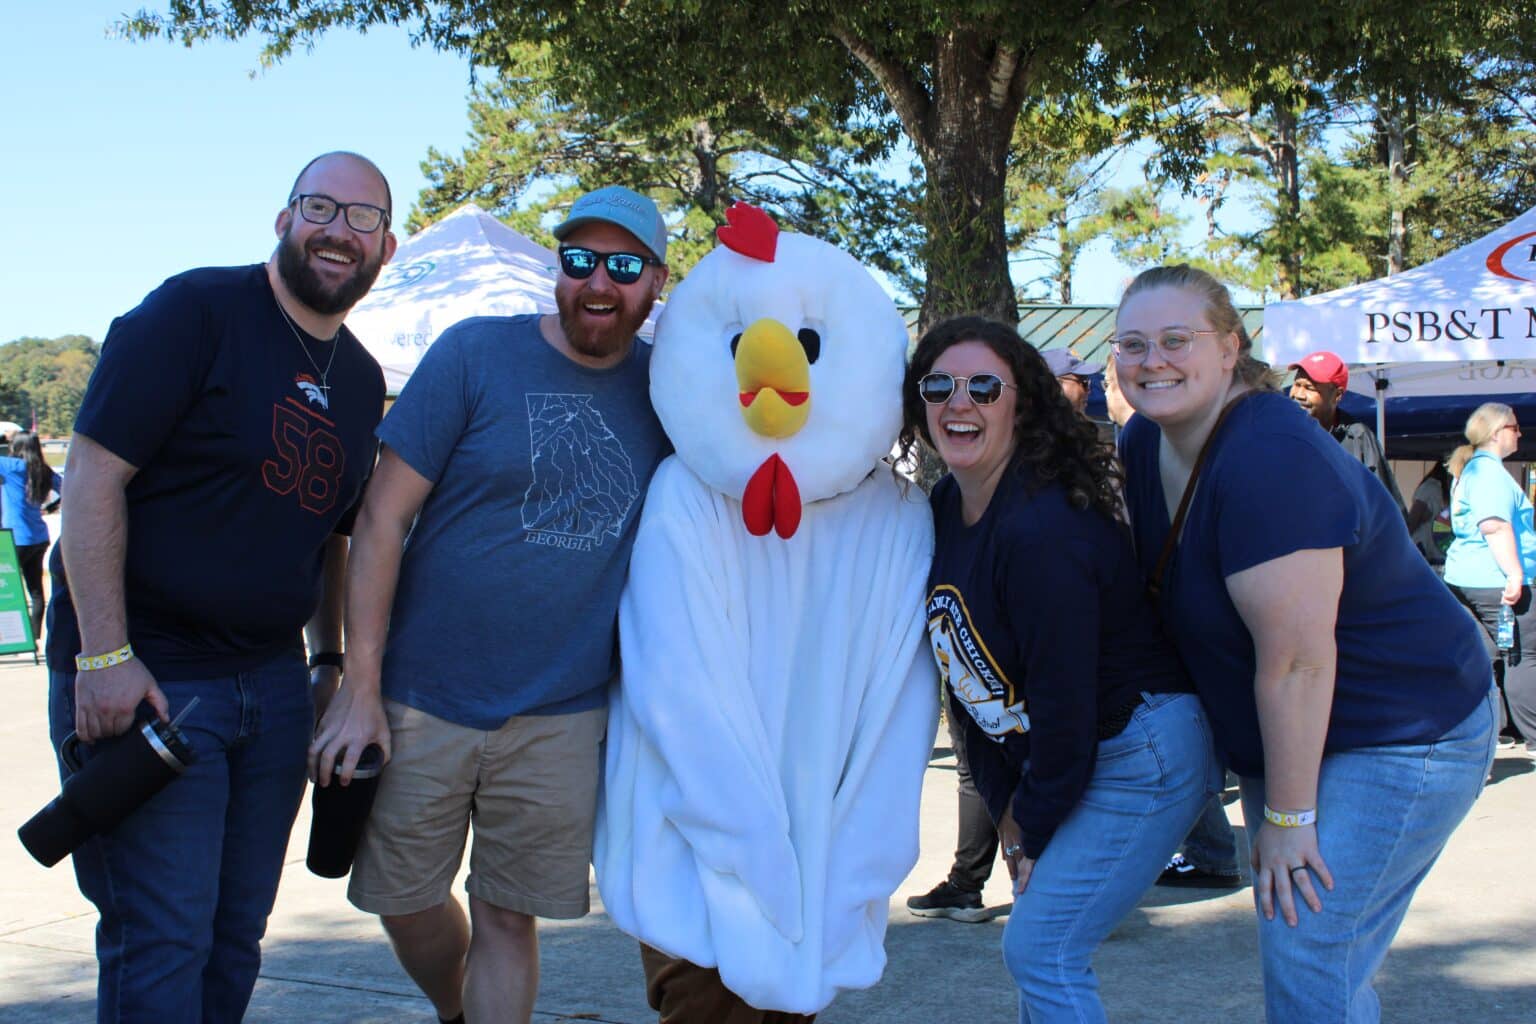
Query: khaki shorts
x,y
530,789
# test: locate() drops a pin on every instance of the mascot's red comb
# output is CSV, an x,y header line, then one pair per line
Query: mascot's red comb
x,y
749,231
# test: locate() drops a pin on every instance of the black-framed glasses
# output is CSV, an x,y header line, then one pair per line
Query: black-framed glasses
x,y
1131,349
938,387
623,267
322,209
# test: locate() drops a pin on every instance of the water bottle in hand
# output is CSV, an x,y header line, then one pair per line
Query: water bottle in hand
x,y
1506,631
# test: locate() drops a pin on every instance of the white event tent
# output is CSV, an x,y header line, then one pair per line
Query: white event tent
x,y
467,264
1464,324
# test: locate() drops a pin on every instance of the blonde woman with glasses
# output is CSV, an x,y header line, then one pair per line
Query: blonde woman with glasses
x,y
1492,559
1347,690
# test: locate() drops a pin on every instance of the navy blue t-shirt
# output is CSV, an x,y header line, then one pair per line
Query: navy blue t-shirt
x,y
1411,662
1041,628
245,468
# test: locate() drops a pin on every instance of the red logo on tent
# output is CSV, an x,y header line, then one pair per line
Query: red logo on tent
x,y
1496,258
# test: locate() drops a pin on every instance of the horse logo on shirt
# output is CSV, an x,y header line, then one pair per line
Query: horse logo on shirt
x,y
312,390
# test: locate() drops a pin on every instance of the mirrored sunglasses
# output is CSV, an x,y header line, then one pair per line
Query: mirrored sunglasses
x,y
937,387
623,267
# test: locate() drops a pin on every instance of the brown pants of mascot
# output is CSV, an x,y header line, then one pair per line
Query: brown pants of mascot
x,y
685,993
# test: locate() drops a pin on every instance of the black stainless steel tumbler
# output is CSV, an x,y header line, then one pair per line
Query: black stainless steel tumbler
x,y
338,815
122,773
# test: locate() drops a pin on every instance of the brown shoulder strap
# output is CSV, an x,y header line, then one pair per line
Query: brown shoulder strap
x,y
1155,584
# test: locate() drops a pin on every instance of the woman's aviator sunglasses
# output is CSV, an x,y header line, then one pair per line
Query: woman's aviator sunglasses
x,y
937,387
623,267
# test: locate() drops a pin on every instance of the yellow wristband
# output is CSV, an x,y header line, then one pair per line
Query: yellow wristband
x,y
92,662
1290,819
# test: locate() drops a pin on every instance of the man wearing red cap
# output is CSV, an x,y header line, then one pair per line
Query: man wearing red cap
x,y
1321,379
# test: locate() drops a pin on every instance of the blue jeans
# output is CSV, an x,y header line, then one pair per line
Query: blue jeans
x,y
1211,844
185,884
1383,816
1148,785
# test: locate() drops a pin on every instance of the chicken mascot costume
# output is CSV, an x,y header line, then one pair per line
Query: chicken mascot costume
x,y
767,741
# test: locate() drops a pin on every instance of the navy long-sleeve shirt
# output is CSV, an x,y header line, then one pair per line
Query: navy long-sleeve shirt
x,y
1040,626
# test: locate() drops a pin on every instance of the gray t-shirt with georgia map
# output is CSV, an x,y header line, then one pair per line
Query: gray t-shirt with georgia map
x,y
510,582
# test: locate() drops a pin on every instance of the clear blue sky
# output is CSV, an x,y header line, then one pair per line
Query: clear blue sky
x,y
126,162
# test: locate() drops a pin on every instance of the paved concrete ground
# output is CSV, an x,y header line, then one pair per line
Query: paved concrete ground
x,y
1465,953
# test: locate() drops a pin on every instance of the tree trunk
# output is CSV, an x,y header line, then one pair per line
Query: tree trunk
x,y
1283,159
960,120
1066,255
707,188
1397,172
966,251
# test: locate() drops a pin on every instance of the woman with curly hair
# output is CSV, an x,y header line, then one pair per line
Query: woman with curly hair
x,y
1085,741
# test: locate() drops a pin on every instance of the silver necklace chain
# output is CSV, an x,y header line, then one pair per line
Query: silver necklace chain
x,y
325,373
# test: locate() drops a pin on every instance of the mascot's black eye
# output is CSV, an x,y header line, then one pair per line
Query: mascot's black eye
x,y
811,342
735,341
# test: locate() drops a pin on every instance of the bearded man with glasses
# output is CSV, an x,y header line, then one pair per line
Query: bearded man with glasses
x,y
516,460
221,445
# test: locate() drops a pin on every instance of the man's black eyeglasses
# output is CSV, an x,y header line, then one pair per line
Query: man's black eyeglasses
x,y
318,209
623,267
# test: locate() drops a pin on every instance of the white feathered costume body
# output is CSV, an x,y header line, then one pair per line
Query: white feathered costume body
x,y
767,741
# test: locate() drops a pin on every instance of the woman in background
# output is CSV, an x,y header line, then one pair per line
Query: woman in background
x,y
1430,499
1492,560
26,480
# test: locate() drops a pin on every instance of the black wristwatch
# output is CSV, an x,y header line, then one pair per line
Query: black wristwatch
x,y
320,658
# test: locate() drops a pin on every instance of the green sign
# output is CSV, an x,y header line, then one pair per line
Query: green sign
x,y
15,624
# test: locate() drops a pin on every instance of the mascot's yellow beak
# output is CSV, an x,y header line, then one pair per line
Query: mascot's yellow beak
x,y
775,379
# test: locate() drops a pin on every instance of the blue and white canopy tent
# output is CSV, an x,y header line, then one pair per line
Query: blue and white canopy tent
x,y
1435,342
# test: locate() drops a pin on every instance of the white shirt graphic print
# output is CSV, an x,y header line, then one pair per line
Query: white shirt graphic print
x,y
584,483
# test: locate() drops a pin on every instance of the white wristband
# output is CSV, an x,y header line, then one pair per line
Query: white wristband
x,y
1290,819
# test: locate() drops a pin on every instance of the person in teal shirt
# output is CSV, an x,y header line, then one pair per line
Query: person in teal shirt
x,y
25,482
1492,560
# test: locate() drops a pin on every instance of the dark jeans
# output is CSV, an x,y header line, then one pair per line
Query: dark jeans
x,y
184,885
976,847
29,557
1211,844
1519,664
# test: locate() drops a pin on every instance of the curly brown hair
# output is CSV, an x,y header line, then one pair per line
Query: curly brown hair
x,y
1049,437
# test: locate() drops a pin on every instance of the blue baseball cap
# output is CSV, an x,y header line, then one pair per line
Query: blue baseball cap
x,y
622,207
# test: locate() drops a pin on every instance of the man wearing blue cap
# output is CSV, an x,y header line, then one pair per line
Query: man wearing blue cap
x,y
515,460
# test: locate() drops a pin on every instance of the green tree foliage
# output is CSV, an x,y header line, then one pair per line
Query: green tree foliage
x,y
955,75
1367,156
816,167
48,376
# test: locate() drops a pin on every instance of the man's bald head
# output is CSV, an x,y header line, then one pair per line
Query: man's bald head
x,y
358,158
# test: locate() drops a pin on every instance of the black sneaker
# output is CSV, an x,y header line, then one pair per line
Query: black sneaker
x,y
1181,872
948,900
